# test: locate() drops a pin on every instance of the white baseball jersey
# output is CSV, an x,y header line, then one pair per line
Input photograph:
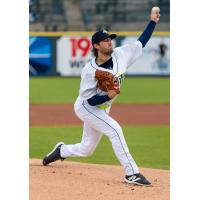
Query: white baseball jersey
x,y
122,58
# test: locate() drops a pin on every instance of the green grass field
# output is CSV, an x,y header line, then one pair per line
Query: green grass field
x,y
65,90
149,145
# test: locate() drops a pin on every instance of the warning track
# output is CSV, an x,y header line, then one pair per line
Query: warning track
x,y
126,114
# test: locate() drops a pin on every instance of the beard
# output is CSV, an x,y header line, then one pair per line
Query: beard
x,y
107,52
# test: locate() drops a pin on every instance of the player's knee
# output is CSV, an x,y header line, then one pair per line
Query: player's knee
x,y
112,133
115,127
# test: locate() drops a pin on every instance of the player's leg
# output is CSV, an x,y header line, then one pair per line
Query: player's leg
x,y
115,134
122,152
86,147
102,122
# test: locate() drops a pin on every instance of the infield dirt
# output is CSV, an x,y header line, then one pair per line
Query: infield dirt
x,y
80,181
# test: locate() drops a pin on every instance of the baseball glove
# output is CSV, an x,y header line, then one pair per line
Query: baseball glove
x,y
106,81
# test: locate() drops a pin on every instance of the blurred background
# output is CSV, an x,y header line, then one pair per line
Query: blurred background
x,y
89,15
60,33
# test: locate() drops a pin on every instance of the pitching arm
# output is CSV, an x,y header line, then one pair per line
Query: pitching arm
x,y
145,36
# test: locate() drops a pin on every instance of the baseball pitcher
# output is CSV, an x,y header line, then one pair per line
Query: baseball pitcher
x,y
101,79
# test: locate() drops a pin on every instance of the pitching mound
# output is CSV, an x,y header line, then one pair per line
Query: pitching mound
x,y
78,181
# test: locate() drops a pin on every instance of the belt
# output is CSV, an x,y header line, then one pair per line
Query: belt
x,y
103,106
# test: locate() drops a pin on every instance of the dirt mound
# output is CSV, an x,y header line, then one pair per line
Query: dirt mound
x,y
78,181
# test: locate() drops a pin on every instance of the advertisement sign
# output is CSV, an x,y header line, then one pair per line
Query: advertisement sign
x,y
40,56
155,59
74,52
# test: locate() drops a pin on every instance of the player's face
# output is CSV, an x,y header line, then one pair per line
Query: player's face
x,y
106,46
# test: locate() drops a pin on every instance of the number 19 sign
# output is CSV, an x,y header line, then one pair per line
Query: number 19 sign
x,y
72,54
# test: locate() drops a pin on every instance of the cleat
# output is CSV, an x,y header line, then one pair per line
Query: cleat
x,y
137,179
53,155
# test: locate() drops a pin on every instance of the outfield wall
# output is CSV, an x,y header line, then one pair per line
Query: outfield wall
x,y
65,53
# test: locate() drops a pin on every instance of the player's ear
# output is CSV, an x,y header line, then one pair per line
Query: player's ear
x,y
96,46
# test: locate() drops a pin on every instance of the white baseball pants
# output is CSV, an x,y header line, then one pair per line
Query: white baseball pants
x,y
98,122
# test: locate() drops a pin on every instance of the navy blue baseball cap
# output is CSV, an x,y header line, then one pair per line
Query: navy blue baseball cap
x,y
102,35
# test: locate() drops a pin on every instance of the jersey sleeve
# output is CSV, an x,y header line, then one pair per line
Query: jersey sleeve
x,y
128,53
97,99
88,84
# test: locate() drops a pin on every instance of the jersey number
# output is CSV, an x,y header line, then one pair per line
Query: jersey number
x,y
121,78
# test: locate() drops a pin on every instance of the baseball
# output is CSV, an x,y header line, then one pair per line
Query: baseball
x,y
155,9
